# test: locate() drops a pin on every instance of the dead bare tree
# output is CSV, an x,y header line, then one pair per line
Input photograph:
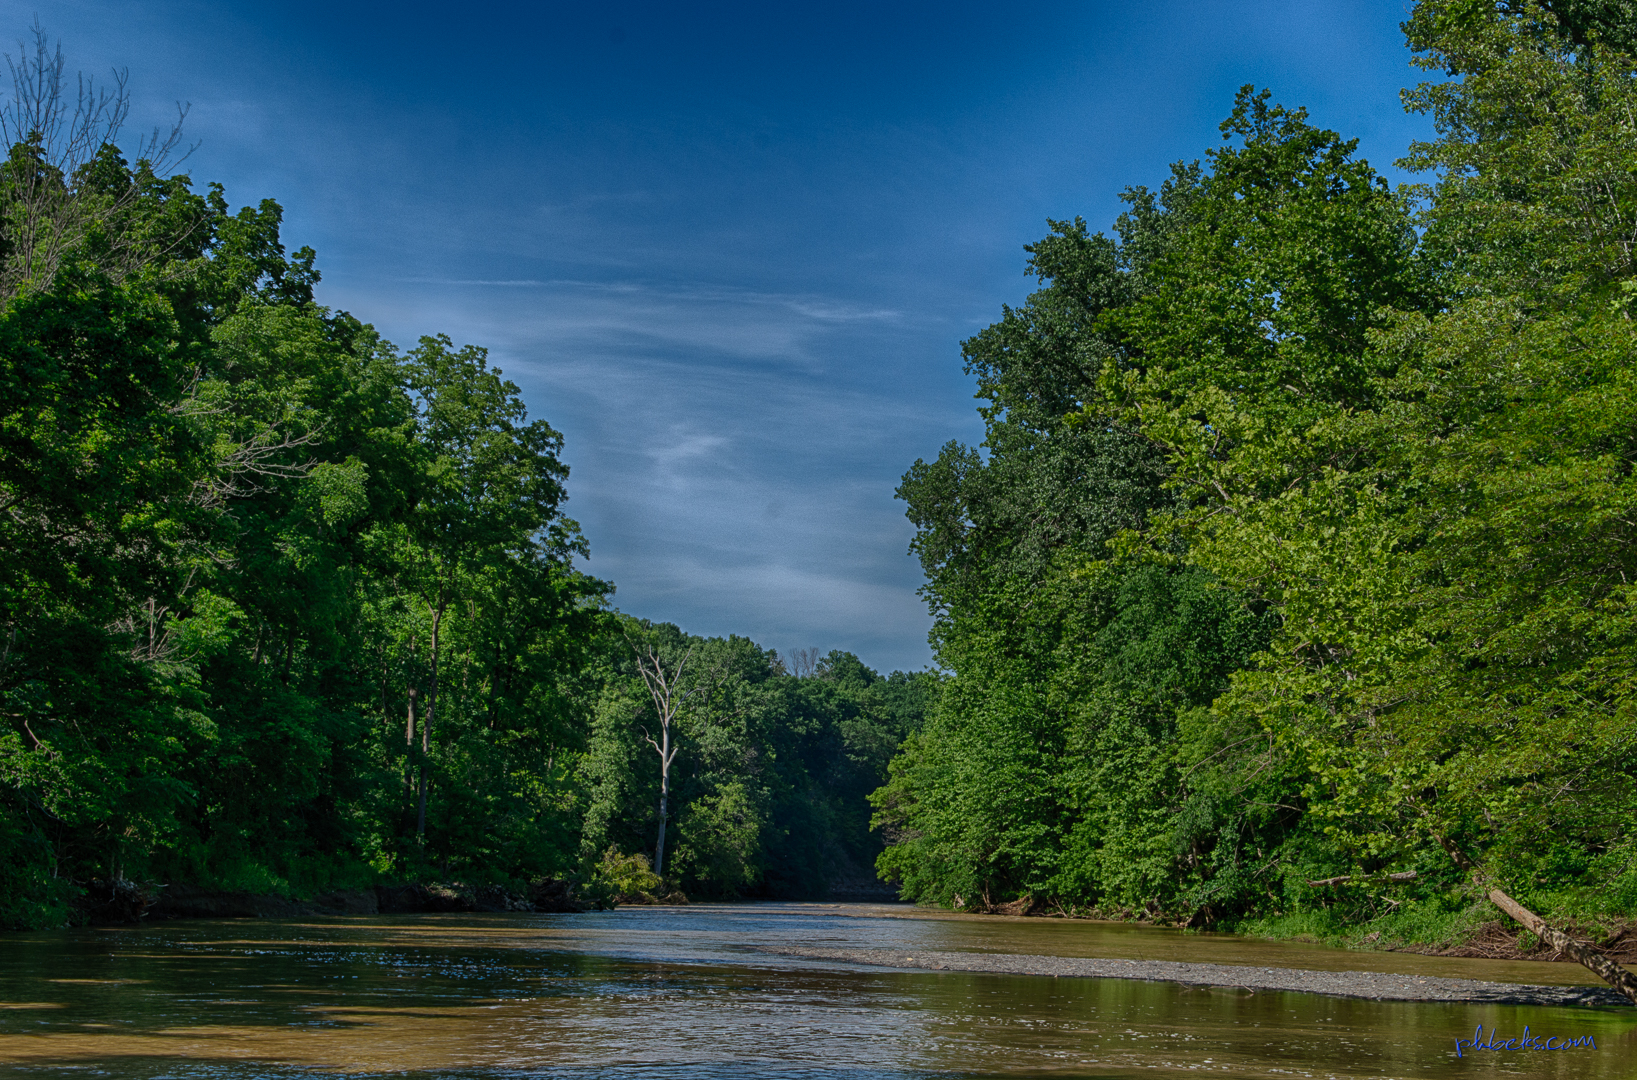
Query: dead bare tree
x,y
673,694
1581,952
665,687
52,201
804,662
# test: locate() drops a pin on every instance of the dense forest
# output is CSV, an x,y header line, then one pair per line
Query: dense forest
x,y
1290,588
288,609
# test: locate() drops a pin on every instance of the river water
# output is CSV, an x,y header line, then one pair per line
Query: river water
x,y
668,993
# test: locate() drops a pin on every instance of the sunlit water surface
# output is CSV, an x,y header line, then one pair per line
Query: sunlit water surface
x,y
688,993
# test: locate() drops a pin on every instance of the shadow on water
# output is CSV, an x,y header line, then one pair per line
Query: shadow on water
x,y
688,994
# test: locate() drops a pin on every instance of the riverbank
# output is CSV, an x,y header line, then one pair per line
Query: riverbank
x,y
124,902
1473,933
1370,985
1476,932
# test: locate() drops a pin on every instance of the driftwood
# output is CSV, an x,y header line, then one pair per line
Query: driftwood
x,y
1606,969
1589,958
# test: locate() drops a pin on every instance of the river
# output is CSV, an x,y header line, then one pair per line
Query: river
x,y
692,993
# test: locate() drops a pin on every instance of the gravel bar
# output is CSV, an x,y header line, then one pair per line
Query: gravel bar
x,y
1374,985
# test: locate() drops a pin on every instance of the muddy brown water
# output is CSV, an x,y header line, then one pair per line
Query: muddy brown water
x,y
689,993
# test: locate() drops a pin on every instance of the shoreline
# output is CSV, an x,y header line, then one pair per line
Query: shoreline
x,y
1369,985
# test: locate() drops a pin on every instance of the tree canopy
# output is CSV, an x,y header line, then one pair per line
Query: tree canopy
x,y
285,608
1289,586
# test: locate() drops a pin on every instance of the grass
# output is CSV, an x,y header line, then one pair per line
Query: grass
x,y
1433,922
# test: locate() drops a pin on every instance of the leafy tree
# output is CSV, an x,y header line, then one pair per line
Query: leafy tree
x,y
1453,669
268,583
488,489
1383,531
769,771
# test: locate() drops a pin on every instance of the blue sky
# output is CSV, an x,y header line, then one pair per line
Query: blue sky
x,y
729,250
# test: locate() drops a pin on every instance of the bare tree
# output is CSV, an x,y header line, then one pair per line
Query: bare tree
x,y
51,204
1583,953
673,694
665,687
804,662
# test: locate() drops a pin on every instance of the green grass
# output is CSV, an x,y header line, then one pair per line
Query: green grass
x,y
1433,922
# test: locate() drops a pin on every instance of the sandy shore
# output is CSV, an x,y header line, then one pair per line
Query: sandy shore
x,y
1375,985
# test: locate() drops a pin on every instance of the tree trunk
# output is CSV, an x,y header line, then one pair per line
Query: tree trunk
x,y
659,845
409,743
664,799
420,814
1349,879
1606,969
1594,961
426,722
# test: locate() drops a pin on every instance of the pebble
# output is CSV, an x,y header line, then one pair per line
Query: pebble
x,y
1375,985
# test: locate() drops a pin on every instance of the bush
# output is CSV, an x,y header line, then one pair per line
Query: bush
x,y
623,879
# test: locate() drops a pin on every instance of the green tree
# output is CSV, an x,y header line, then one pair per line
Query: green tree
x,y
229,519
1407,451
488,489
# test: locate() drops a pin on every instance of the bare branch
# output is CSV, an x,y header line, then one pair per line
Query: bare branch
x,y
53,205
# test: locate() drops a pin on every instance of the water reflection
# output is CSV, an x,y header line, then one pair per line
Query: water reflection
x,y
686,993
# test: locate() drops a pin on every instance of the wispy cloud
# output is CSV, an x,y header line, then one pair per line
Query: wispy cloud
x,y
732,260
682,448
514,283
821,309
734,450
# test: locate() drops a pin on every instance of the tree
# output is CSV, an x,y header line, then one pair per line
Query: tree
x,y
679,690
996,799
1404,453
66,188
489,489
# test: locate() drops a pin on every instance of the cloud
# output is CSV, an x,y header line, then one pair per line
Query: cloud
x,y
526,283
683,447
733,450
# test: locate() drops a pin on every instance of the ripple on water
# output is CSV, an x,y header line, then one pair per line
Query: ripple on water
x,y
689,993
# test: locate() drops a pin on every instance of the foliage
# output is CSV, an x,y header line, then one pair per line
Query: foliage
x,y
772,770
1375,446
623,878
284,608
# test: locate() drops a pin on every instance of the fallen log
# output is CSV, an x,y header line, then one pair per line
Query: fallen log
x,y
1610,972
1586,956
